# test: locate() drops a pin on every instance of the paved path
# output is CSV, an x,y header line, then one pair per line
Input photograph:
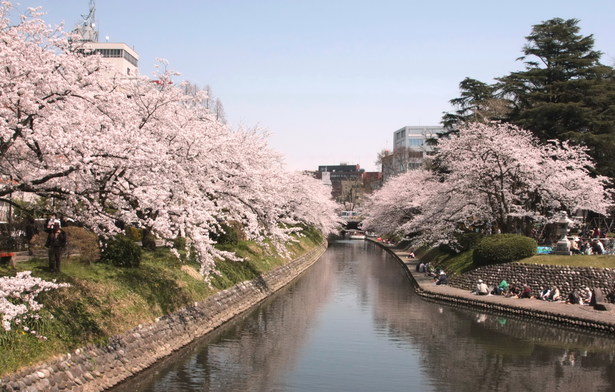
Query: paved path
x,y
578,316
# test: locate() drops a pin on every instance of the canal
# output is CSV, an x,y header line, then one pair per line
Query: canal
x,y
352,322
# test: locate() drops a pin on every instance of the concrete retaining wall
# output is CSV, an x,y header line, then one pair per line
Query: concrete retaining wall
x,y
508,310
539,275
97,368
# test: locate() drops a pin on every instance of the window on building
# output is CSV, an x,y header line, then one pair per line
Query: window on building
x,y
117,53
131,59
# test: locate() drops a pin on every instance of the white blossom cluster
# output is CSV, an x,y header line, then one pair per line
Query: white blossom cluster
x,y
138,150
491,177
18,299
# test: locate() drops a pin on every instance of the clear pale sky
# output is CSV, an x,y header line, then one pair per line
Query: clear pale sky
x,y
332,80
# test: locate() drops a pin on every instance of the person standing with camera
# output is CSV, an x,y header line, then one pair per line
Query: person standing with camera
x,y
56,242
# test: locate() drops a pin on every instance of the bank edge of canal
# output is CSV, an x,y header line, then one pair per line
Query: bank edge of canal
x,y
99,368
581,317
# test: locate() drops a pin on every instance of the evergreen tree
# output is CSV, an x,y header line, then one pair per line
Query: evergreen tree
x,y
478,102
564,92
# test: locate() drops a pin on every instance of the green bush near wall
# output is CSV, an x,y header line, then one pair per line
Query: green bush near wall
x,y
121,251
503,248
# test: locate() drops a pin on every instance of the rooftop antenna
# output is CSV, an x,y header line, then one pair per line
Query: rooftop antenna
x,y
87,28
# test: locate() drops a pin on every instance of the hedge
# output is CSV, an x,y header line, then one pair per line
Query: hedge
x,y
503,248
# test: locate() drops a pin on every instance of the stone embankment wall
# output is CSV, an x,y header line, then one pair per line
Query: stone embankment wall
x,y
536,275
97,368
539,275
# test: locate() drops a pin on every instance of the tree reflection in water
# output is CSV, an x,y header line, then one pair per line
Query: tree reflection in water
x,y
282,345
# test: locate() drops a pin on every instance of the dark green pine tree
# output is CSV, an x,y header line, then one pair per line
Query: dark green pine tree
x,y
478,102
564,92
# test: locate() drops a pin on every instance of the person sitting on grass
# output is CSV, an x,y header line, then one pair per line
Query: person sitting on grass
x,y
597,247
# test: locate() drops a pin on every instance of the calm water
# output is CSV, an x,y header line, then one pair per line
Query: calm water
x,y
353,323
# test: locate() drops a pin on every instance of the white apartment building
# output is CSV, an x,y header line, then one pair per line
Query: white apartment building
x,y
415,137
410,149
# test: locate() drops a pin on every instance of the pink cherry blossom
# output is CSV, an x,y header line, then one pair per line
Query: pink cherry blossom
x,y
491,177
108,149
18,298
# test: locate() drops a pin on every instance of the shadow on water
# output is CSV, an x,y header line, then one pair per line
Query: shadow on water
x,y
352,322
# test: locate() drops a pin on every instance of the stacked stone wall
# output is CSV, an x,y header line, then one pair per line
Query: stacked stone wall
x,y
535,275
97,368
538,276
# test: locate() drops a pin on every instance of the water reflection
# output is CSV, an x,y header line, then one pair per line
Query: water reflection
x,y
353,323
464,350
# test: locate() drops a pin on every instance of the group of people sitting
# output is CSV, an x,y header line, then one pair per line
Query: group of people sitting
x,y
583,296
438,275
503,288
580,246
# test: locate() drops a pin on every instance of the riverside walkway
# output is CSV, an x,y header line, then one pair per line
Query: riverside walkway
x,y
575,316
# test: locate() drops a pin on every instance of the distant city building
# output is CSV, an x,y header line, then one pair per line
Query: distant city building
x,y
372,181
336,174
415,137
349,183
123,58
410,150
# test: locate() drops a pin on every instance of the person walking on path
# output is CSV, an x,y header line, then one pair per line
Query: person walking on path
x,y
56,242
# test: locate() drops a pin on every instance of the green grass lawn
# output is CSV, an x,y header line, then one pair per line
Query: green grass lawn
x,y
596,261
105,300
459,263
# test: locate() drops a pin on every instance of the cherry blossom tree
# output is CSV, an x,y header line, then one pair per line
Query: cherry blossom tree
x,y
507,177
398,202
18,299
108,149
493,177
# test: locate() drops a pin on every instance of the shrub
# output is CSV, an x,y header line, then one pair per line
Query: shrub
x,y
121,251
503,248
232,234
469,240
180,243
148,240
37,244
83,242
133,233
447,248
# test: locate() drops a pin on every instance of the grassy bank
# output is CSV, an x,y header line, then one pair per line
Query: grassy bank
x,y
459,263
104,300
